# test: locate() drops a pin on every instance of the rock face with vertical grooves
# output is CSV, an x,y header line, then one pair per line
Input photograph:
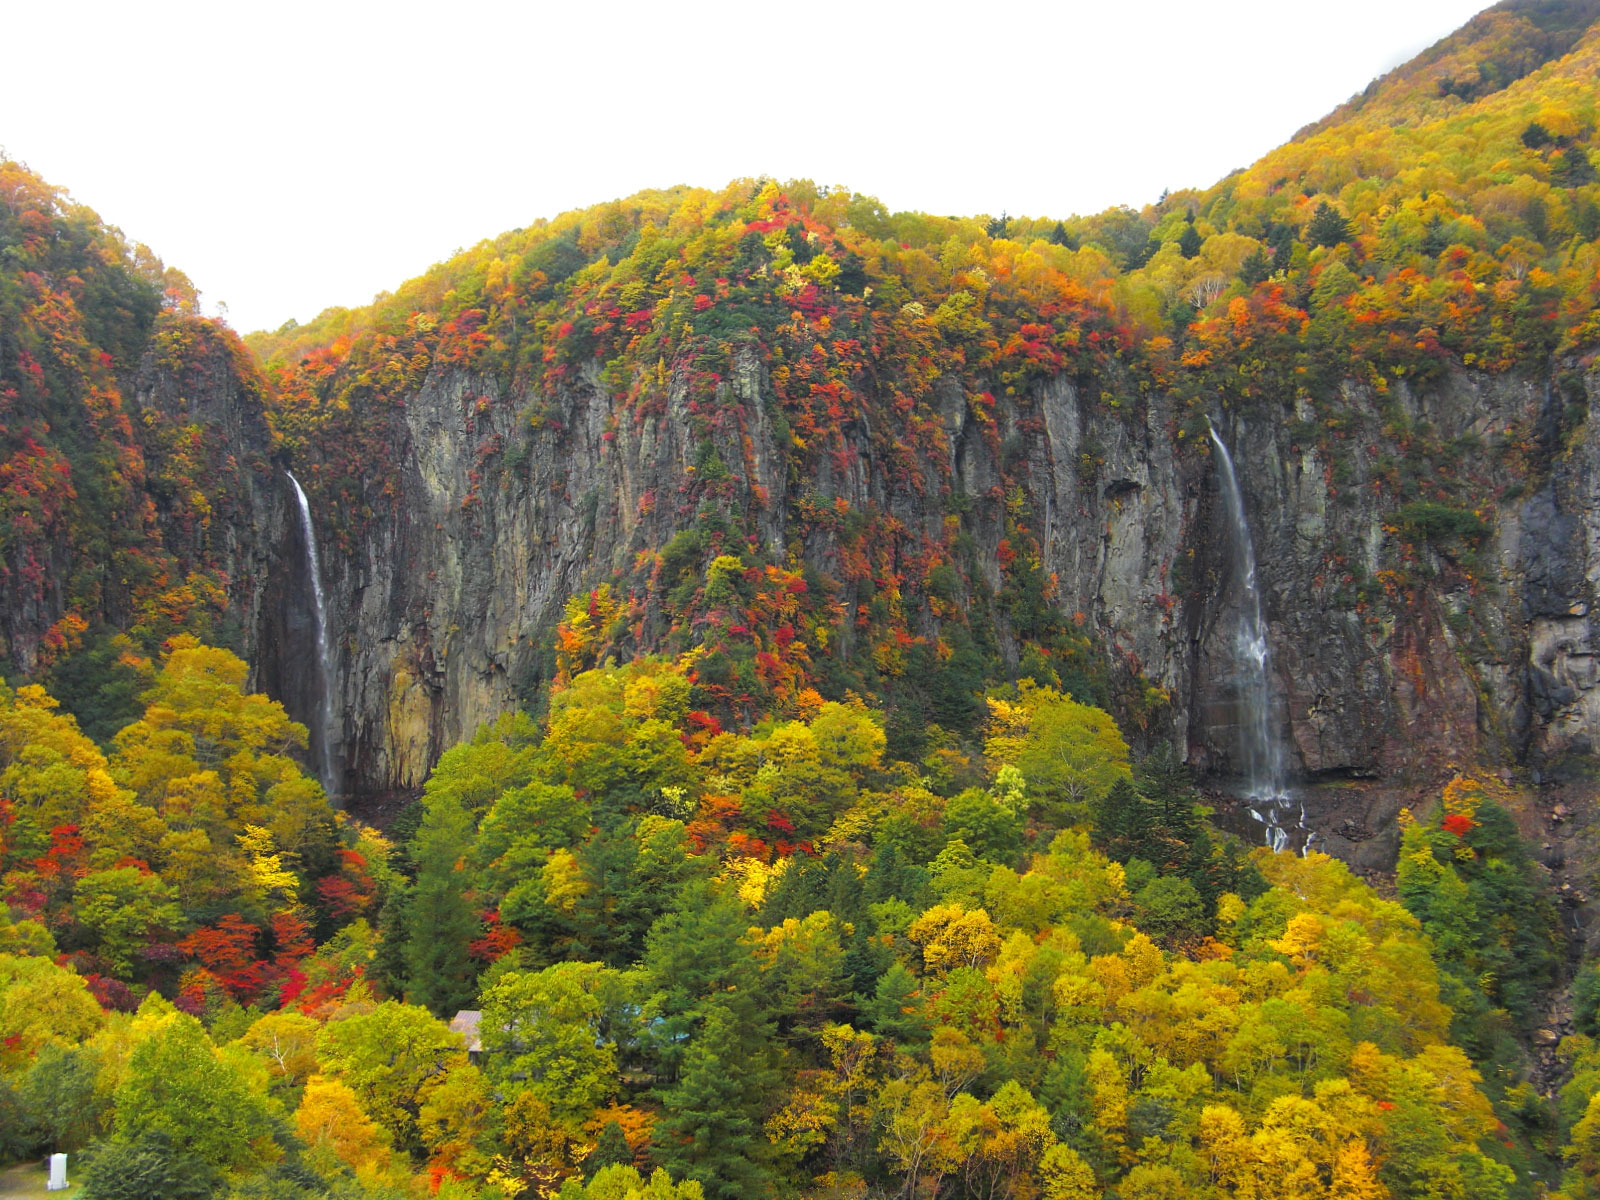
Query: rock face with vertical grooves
x,y
1387,669
1396,655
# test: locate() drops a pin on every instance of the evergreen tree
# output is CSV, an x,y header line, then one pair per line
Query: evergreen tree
x,y
866,956
892,876
610,1150
1282,242
440,923
1255,269
801,890
1060,237
1123,820
631,875
1189,240
852,277
894,1009
710,1130
1327,226
843,897
1144,254
1435,237
1163,780
388,967
1571,168
694,957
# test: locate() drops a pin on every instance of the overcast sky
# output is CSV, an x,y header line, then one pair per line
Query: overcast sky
x,y
294,156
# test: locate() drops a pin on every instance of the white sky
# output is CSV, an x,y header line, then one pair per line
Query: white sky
x,y
293,156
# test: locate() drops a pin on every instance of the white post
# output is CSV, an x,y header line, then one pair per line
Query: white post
x,y
58,1173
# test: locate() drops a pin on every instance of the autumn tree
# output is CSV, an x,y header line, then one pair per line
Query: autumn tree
x,y
178,1085
541,1031
387,1057
330,1118
1070,754
41,1004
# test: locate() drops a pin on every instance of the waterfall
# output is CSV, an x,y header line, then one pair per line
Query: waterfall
x,y
324,658
1265,789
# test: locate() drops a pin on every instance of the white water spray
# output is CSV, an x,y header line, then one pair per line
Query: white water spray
x,y
324,658
1265,788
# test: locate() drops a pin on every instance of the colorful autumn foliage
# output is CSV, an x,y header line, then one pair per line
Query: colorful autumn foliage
x,y
765,957
828,897
815,318
116,495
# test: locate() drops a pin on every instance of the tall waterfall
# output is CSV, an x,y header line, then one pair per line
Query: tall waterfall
x,y
324,658
1265,788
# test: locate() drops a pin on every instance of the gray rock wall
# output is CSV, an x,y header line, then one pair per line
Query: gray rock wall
x,y
1386,664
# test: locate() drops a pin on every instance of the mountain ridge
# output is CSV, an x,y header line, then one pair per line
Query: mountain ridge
x,y
1492,51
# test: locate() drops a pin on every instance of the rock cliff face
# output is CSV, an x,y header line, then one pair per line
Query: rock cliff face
x,y
1408,639
172,485
1399,643
204,389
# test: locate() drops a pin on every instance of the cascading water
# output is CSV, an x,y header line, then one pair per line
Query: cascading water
x,y
1265,790
324,658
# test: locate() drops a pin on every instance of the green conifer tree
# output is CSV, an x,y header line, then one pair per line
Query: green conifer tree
x,y
611,1149
1282,242
1123,820
894,1009
388,967
1255,269
1327,226
1189,240
710,1130
440,923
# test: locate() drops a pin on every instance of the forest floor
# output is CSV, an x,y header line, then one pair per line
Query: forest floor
x,y
379,809
26,1181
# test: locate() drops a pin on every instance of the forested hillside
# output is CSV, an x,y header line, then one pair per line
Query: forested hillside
x,y
772,962
777,670
130,436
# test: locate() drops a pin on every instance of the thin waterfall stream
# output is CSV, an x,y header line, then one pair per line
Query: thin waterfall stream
x,y
324,657
1266,790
